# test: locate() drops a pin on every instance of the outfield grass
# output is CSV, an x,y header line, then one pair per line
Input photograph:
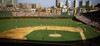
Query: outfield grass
x,y
11,24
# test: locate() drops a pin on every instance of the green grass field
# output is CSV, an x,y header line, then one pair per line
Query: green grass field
x,y
43,35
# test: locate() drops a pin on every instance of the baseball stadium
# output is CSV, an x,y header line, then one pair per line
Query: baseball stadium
x,y
45,29
33,25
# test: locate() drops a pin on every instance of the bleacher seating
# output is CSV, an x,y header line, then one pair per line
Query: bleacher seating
x,y
22,14
90,18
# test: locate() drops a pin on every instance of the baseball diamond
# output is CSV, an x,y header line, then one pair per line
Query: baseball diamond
x,y
49,22
46,30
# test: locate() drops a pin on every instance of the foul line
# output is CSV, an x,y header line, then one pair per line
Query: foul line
x,y
82,35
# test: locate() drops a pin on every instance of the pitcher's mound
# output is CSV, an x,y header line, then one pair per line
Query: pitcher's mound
x,y
55,35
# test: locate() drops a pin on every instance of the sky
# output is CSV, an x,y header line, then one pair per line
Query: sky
x,y
49,3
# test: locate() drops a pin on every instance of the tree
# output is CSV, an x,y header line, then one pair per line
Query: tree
x,y
52,7
98,5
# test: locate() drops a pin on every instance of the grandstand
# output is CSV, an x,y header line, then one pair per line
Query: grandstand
x,y
94,14
90,18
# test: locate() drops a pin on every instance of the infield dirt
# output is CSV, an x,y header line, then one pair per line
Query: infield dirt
x,y
19,33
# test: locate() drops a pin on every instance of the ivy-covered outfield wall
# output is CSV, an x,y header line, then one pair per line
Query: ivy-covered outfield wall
x,y
36,17
5,14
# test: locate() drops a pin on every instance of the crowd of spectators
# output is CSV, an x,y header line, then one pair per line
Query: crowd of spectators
x,y
11,9
95,14
22,14
91,19
18,12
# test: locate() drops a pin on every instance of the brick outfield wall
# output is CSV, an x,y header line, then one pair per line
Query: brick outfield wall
x,y
89,21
